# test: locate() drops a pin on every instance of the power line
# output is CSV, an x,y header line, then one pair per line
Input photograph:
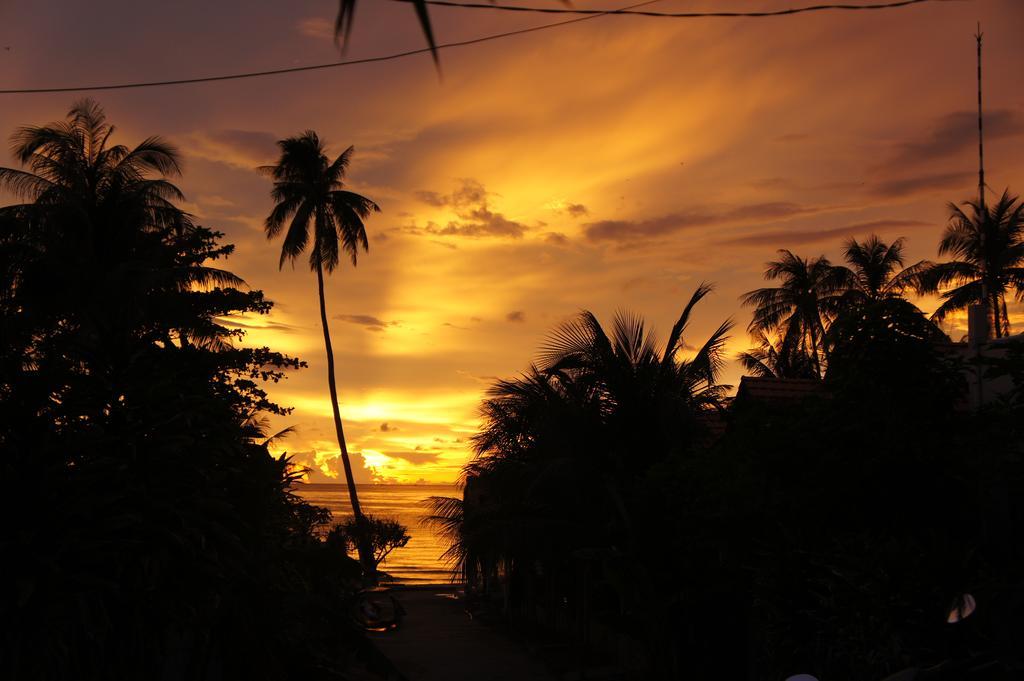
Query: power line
x,y
311,67
586,15
675,15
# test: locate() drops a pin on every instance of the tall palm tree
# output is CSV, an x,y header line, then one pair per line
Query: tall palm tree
x,y
987,244
309,192
800,305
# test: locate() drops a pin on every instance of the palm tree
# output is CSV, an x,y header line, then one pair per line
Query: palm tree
x,y
776,359
874,270
99,196
800,305
987,243
309,191
95,219
563,446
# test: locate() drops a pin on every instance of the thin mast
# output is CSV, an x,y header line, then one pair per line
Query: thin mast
x,y
982,212
981,139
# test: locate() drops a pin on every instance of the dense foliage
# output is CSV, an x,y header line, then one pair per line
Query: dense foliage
x,y
384,535
830,535
146,530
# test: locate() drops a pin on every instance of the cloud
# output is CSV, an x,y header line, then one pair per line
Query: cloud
x,y
576,210
766,211
475,219
516,316
922,166
482,223
624,230
431,198
955,132
438,242
387,428
783,237
902,187
629,230
214,201
242,148
416,456
370,322
556,238
262,326
482,379
316,27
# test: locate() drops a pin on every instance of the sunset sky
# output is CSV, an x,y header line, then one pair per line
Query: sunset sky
x,y
610,164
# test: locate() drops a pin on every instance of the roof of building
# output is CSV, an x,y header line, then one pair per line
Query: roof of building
x,y
774,390
714,423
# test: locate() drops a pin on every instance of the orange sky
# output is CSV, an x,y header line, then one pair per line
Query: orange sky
x,y
611,164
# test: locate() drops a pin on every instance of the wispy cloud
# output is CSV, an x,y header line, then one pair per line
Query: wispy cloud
x,y
915,185
785,238
241,148
316,27
665,225
956,132
369,322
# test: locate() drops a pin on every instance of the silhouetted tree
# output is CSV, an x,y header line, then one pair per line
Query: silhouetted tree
x,y
309,196
557,495
874,270
988,246
157,537
782,359
800,304
385,535
892,356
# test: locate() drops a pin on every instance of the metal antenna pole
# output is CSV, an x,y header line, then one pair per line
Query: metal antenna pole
x,y
981,139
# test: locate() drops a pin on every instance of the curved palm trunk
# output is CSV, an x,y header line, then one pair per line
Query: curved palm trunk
x,y
363,547
817,351
814,352
997,331
999,319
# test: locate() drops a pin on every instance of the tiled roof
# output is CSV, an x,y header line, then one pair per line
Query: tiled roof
x,y
777,389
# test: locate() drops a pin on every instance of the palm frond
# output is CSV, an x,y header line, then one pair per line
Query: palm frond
x,y
575,340
679,328
710,358
297,236
24,184
346,15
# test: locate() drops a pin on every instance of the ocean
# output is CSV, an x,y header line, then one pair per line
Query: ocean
x,y
419,561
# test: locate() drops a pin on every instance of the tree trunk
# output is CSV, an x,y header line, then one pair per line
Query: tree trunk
x,y
814,352
995,316
362,545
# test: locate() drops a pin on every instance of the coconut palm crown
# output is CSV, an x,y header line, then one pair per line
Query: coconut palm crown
x,y
809,290
874,270
987,245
